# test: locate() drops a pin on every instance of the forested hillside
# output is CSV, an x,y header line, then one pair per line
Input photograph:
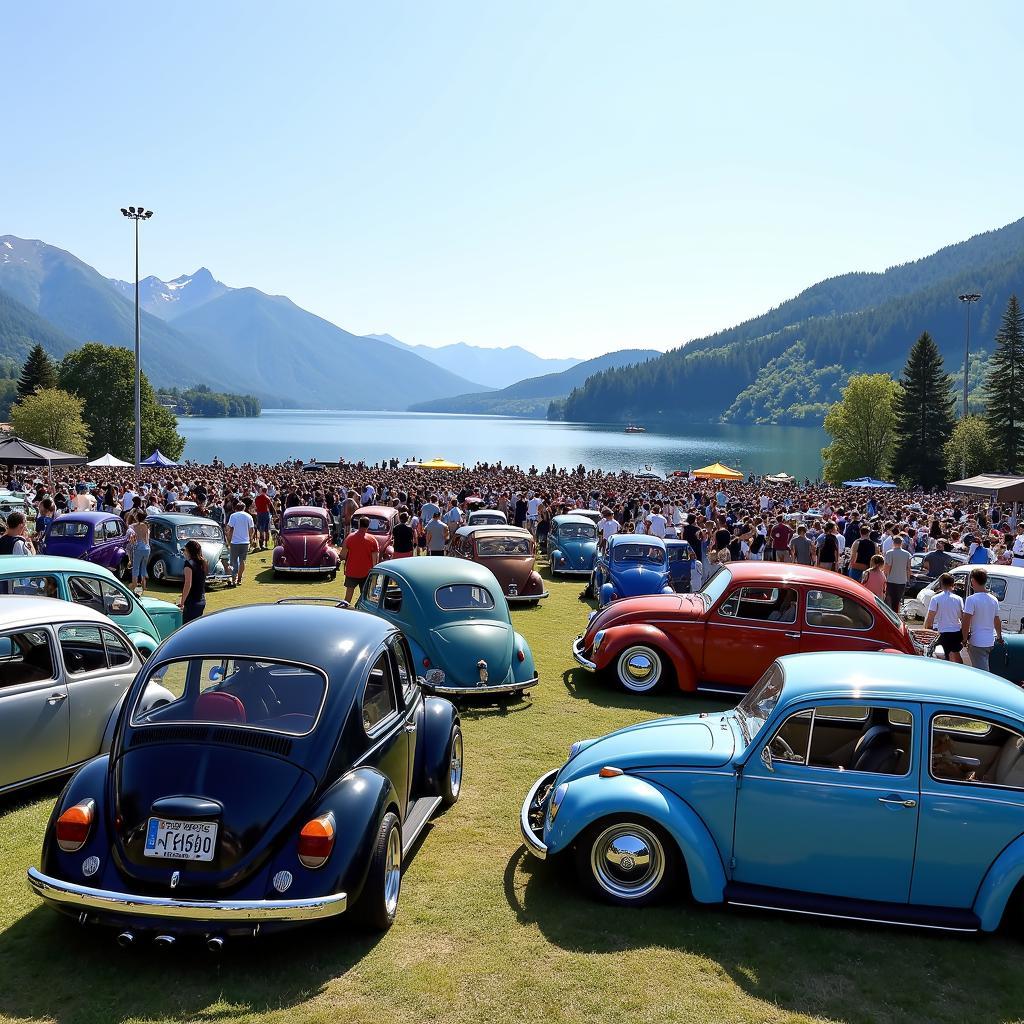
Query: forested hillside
x,y
786,366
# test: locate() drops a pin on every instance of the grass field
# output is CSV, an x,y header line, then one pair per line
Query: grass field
x,y
485,933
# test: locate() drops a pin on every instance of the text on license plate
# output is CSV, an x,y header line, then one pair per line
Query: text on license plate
x,y
181,840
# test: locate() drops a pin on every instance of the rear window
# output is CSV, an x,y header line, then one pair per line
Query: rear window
x,y
200,531
490,547
275,696
305,523
377,524
463,597
69,529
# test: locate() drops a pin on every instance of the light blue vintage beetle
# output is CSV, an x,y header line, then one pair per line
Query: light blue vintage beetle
x,y
572,545
881,787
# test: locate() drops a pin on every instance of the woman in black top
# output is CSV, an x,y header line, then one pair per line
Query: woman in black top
x,y
193,593
403,537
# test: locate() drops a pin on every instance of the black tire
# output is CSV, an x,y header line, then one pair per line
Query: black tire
x,y
378,902
124,570
628,861
641,669
451,784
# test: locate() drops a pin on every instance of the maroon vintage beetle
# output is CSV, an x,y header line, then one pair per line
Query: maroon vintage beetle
x,y
305,542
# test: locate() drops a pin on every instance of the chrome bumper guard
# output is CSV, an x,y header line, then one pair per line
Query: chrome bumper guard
x,y
577,653
533,844
469,691
83,898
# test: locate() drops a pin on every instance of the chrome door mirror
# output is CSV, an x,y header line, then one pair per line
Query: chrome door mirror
x,y
766,758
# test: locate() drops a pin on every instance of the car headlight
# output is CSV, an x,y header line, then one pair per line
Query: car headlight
x,y
556,801
598,639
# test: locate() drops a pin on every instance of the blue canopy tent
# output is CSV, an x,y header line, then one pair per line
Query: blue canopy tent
x,y
158,459
869,481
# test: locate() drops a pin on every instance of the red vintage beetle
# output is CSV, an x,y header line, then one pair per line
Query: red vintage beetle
x,y
723,638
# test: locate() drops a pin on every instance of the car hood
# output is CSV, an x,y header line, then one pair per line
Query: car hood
x,y
304,548
461,645
694,741
638,579
578,553
645,609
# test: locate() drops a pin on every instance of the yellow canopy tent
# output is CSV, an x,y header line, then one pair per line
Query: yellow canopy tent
x,y
717,472
438,463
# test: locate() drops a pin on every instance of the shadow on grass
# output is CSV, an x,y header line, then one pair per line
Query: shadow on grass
x,y
495,707
600,688
846,971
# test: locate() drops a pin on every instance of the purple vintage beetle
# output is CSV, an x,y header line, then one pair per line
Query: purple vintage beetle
x,y
97,537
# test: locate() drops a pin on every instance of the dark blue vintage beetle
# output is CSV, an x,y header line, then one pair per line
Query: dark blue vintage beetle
x,y
285,782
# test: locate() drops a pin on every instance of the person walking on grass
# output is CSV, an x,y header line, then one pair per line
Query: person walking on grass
x,y
945,616
897,572
982,629
238,533
139,525
361,552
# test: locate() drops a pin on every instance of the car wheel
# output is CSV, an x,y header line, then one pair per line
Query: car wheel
x,y
378,902
628,862
158,570
451,785
640,669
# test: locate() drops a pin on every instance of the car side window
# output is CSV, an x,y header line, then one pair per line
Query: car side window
x,y
113,528
82,649
997,587
827,608
31,586
161,533
762,604
403,668
115,603
976,751
25,658
378,696
374,586
118,651
392,595
86,590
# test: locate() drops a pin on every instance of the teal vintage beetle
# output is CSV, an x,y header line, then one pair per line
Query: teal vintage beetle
x,y
871,786
457,622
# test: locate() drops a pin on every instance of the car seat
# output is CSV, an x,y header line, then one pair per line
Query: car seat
x,y
216,706
876,751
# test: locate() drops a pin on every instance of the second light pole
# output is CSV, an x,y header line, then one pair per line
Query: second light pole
x,y
137,213
968,298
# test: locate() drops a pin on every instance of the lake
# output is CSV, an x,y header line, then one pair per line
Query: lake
x,y
306,434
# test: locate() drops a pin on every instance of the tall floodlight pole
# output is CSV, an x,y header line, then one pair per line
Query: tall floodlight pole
x,y
968,299
137,213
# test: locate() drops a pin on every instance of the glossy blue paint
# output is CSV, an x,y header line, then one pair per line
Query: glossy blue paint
x,y
572,545
619,573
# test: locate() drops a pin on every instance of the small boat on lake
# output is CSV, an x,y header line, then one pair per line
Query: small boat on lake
x,y
633,428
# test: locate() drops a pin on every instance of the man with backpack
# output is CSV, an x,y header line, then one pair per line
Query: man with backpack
x,y
14,541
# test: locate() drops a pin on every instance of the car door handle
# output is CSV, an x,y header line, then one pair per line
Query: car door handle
x,y
55,698
410,727
793,636
895,801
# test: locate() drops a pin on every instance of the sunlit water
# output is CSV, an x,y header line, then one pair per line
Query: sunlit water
x,y
281,434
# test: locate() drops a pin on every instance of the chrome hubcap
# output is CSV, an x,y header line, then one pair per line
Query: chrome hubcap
x,y
159,571
393,871
455,771
628,860
639,668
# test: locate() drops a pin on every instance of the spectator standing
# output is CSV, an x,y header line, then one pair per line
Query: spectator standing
x,y
404,537
827,548
193,591
874,579
801,547
361,554
1018,547
945,615
263,505
139,524
861,553
14,541
238,532
781,536
897,572
437,535
982,629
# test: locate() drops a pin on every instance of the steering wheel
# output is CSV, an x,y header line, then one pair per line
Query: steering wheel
x,y
787,750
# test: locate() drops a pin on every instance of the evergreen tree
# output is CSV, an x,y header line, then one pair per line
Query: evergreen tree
x,y
924,417
1004,389
38,372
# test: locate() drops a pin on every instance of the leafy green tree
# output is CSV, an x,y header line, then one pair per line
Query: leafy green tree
x,y
969,449
52,417
1004,390
924,417
862,427
103,376
38,372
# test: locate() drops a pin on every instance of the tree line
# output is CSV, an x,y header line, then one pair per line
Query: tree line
x,y
201,401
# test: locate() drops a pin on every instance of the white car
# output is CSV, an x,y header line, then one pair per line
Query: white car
x,y
1004,581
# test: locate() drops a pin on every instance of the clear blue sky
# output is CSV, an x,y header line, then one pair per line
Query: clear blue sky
x,y
574,177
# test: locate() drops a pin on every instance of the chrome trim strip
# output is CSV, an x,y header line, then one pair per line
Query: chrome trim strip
x,y
525,597
305,568
851,917
435,802
473,690
571,572
85,898
577,653
533,844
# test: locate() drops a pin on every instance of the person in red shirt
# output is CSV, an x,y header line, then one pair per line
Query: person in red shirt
x,y
361,552
264,506
780,535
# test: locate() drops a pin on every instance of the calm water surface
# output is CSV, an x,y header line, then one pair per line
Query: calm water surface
x,y
305,434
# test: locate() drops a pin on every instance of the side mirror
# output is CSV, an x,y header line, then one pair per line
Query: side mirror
x,y
766,758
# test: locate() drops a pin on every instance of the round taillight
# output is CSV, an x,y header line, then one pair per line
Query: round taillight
x,y
426,663
521,655
316,840
74,825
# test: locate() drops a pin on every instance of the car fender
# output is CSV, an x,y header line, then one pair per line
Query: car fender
x,y
591,798
998,885
555,554
605,596
141,639
618,638
88,783
525,670
439,715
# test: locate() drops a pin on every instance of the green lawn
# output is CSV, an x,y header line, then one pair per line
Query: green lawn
x,y
485,933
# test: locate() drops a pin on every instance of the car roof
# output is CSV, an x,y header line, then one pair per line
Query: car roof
x,y
431,573
306,510
42,611
181,518
21,565
755,571
376,510
87,517
907,677
1003,570
573,517
635,538
494,530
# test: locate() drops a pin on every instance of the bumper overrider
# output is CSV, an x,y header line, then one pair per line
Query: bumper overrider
x,y
531,816
446,690
580,657
82,899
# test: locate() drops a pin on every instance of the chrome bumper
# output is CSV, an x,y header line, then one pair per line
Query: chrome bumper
x,y
512,598
83,898
475,691
533,844
305,568
577,653
571,572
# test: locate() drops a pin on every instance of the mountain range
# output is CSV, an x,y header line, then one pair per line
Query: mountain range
x,y
789,364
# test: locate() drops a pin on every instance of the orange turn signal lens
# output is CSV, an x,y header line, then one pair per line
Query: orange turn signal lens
x,y
74,825
316,840
608,772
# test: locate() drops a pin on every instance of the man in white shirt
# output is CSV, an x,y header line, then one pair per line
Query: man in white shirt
x,y
369,493
982,629
127,499
657,525
1018,548
532,512
608,526
238,532
945,616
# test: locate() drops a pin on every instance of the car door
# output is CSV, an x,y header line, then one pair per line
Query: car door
x,y
747,630
385,724
828,802
412,702
839,622
99,665
34,712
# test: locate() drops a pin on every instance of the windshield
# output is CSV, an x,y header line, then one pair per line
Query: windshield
x,y
236,692
199,531
755,709
305,523
680,553
716,585
487,519
650,554
577,531
69,529
488,547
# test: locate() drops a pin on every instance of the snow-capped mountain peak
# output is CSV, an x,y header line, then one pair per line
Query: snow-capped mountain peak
x,y
168,299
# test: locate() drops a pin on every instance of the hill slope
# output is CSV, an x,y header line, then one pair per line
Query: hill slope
x,y
787,365
21,329
532,397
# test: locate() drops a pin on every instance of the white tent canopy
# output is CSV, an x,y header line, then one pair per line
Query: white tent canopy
x,y
108,460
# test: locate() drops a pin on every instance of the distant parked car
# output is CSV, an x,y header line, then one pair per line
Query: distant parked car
x,y
682,566
146,620
630,565
383,520
572,545
17,501
170,532
486,517
510,552
304,543
98,537
1006,582
185,508
64,670
874,787
457,623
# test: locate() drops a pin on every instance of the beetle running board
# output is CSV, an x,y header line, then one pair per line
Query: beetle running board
x,y
416,820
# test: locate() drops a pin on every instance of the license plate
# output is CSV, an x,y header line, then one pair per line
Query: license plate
x,y
513,590
181,840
